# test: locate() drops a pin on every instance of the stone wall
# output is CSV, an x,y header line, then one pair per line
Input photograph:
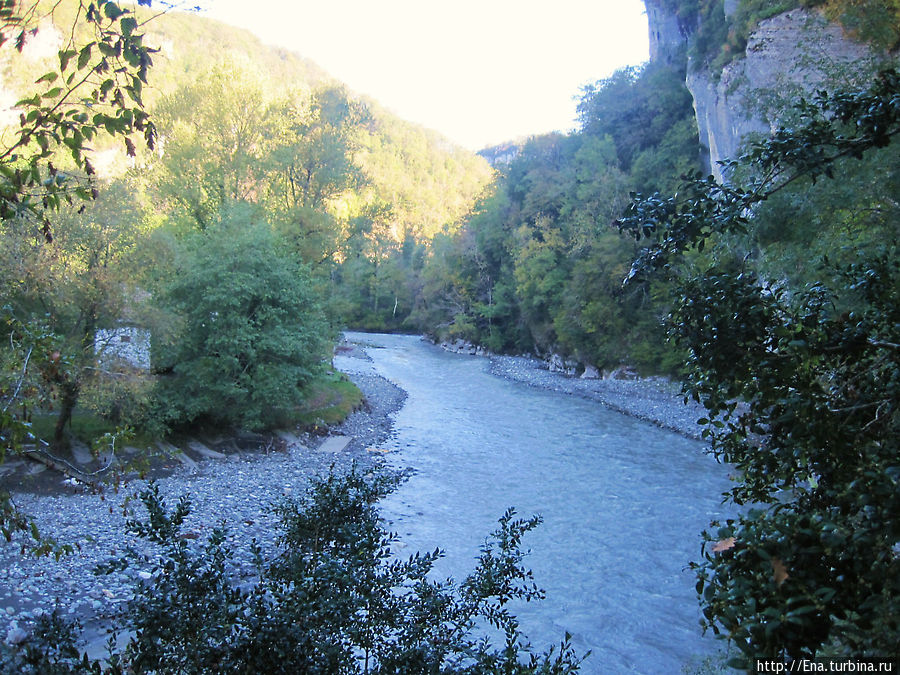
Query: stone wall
x,y
124,344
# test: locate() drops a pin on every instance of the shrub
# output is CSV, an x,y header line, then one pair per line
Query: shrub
x,y
334,598
253,331
801,387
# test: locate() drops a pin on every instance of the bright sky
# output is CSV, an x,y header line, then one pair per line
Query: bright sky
x,y
478,71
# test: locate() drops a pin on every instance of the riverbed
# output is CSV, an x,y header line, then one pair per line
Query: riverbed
x,y
622,501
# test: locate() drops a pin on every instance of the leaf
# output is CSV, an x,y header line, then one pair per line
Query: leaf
x,y
723,545
84,56
128,24
113,11
64,58
779,571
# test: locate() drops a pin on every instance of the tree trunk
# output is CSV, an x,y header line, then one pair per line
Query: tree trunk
x,y
69,391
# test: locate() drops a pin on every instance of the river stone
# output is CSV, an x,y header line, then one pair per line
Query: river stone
x,y
171,451
204,451
590,373
81,453
335,444
16,635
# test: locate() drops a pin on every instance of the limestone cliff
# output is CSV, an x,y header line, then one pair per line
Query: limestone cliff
x,y
787,55
668,35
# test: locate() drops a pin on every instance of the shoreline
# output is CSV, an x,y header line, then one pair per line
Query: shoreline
x,y
243,485
236,491
656,400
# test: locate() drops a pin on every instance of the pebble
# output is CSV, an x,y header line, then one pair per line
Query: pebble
x,y
16,635
652,399
96,524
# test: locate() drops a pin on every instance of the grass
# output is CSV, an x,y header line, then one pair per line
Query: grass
x,y
329,401
84,426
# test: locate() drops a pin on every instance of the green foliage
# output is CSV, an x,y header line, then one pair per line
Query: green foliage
x,y
800,384
333,599
51,650
252,335
874,21
329,400
638,109
28,350
96,89
77,284
536,268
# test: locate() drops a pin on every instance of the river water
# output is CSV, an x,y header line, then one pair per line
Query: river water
x,y
622,502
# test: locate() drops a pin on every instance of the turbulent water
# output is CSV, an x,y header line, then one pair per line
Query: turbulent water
x,y
622,503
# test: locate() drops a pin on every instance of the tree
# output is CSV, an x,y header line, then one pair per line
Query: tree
x,y
217,138
97,89
801,388
78,284
252,329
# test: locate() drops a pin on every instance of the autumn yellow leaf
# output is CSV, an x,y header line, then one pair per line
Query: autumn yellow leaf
x,y
779,571
723,545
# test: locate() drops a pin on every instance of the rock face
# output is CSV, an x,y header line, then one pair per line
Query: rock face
x,y
667,35
787,55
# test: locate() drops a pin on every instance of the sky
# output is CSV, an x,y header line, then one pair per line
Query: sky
x,y
480,72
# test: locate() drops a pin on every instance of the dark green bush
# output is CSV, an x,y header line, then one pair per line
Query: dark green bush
x,y
802,389
334,600
252,333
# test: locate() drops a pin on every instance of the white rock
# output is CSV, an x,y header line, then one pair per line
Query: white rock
x,y
590,372
16,635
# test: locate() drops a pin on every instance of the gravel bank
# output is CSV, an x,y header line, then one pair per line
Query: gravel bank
x,y
235,491
654,399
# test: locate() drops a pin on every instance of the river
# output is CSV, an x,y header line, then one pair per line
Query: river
x,y
622,502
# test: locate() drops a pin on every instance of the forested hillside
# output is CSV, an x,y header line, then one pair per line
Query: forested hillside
x,y
538,267
217,142
229,201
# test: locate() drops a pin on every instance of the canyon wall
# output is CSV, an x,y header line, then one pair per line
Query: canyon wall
x,y
788,55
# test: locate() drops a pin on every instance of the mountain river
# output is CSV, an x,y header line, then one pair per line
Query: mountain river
x,y
622,502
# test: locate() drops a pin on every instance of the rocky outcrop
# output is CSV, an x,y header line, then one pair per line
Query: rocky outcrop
x,y
668,36
787,55
463,347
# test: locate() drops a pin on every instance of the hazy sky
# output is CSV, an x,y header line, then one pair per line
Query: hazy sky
x,y
478,71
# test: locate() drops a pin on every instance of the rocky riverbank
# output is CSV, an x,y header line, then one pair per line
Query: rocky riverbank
x,y
235,491
654,399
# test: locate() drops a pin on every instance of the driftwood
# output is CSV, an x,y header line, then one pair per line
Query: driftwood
x,y
45,458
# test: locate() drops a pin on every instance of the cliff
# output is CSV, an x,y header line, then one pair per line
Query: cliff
x,y
668,34
788,55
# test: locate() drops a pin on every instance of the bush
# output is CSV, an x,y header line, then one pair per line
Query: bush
x,y
334,598
802,389
253,332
